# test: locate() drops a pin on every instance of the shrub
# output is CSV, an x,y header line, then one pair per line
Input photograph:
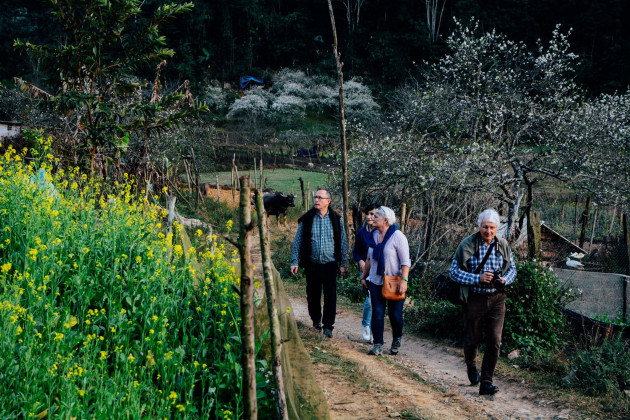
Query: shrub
x,y
602,369
534,320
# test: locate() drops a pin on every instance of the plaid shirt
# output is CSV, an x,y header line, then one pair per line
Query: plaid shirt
x,y
322,242
494,263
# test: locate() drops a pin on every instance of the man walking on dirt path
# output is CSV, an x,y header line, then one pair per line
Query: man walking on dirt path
x,y
483,263
320,247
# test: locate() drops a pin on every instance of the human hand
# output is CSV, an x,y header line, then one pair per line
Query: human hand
x,y
294,269
364,283
486,278
402,287
342,271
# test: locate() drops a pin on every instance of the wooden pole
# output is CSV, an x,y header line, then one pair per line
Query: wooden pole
x,y
583,220
218,191
194,168
342,122
272,310
248,361
626,242
590,244
612,219
403,217
304,199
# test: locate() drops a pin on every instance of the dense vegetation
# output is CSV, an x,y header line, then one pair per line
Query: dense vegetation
x,y
103,312
381,40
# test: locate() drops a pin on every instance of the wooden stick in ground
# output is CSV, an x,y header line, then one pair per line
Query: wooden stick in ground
x,y
248,362
403,217
218,191
583,220
272,309
303,192
590,244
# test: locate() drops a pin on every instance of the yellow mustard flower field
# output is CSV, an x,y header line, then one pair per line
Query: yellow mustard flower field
x,y
103,313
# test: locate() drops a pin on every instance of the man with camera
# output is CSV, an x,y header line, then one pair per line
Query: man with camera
x,y
484,264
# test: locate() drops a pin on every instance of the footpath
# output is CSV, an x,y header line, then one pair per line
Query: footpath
x,y
425,380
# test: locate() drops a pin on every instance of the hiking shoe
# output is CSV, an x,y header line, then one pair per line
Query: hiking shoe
x,y
473,375
327,333
377,350
365,332
395,346
317,326
486,388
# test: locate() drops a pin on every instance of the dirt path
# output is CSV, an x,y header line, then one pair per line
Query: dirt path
x,y
439,388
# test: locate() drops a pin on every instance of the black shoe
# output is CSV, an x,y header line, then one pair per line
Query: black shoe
x,y
317,326
473,375
486,388
327,333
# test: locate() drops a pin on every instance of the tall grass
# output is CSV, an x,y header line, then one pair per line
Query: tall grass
x,y
102,313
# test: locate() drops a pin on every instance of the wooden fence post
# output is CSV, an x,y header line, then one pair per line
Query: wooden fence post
x,y
218,191
272,309
583,220
626,242
248,362
303,193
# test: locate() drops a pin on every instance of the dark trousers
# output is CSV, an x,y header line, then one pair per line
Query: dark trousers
x,y
480,310
394,310
318,277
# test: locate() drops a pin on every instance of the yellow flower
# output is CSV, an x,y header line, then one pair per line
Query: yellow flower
x,y
131,358
6,267
81,392
199,232
103,355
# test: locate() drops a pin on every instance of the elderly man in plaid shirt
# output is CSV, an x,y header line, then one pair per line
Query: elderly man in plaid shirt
x,y
320,247
486,277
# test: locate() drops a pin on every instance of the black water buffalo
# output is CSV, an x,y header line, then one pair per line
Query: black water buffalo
x,y
277,203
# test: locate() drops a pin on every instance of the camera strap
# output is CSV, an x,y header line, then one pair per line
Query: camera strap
x,y
485,257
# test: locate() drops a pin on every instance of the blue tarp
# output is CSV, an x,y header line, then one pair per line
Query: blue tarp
x,y
246,79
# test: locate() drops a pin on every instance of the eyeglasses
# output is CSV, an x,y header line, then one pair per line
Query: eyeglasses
x,y
318,197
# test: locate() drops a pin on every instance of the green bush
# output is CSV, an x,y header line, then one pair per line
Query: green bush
x,y
602,369
534,320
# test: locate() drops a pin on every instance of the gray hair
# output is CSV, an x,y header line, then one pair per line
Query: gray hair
x,y
489,215
387,214
327,192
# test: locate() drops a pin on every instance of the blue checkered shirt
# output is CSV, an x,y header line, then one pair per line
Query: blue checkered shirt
x,y
322,242
494,263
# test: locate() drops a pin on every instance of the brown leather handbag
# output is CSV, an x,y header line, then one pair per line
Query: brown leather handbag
x,y
390,288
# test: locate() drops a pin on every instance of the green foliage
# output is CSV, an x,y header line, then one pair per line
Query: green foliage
x,y
603,369
437,318
93,72
350,284
534,320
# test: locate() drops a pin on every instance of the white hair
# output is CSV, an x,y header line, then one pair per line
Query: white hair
x,y
489,215
387,214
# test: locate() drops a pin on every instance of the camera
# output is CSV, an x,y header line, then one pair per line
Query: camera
x,y
496,281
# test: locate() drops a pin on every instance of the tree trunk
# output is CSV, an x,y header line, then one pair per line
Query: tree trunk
x,y
533,234
342,121
626,242
248,362
272,309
